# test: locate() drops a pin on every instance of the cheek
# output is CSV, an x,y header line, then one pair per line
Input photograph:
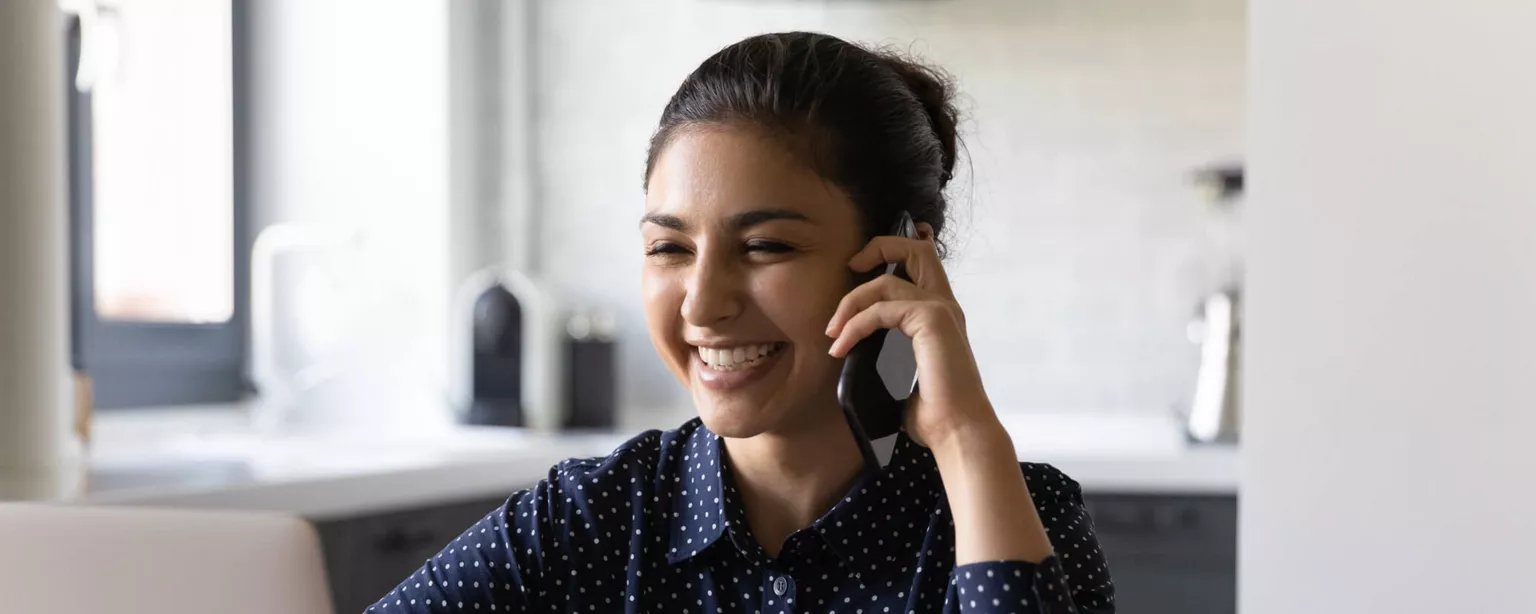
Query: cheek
x,y
662,296
801,300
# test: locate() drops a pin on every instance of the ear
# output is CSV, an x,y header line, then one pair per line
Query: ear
x,y
925,231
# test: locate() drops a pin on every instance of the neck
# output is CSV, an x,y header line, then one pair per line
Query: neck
x,y
789,479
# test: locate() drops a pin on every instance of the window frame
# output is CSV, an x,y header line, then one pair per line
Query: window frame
x,y
153,364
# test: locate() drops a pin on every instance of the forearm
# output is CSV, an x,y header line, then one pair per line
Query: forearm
x,y
994,515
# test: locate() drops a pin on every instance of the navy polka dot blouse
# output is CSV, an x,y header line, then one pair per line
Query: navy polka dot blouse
x,y
657,527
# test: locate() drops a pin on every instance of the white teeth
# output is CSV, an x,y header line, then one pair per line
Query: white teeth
x,y
726,359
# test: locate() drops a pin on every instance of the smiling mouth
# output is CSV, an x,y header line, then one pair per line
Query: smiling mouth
x,y
739,357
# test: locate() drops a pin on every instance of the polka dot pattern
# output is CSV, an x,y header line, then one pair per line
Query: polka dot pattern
x,y
657,527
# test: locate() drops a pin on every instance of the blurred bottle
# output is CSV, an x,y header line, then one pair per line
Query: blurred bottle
x,y
592,376
1215,415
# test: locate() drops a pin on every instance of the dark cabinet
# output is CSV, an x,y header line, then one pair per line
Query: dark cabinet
x,y
368,556
1169,554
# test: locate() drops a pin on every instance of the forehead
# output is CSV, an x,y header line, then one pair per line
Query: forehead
x,y
716,172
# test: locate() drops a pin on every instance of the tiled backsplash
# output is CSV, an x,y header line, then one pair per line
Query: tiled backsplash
x,y
1080,248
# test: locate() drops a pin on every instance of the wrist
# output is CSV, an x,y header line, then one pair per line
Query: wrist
x,y
981,439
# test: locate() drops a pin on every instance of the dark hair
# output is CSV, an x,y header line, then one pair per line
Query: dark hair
x,y
878,125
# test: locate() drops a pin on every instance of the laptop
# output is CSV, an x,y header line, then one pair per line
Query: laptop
x,y
128,560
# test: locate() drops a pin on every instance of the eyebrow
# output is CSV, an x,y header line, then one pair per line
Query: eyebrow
x,y
739,221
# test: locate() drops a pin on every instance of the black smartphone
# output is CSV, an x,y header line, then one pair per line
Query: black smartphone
x,y
879,374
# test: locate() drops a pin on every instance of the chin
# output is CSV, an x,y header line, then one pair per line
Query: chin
x,y
735,418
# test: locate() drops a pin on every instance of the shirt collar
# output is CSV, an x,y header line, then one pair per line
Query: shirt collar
x,y
885,516
880,521
699,502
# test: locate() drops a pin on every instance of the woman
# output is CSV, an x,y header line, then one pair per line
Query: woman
x,y
776,165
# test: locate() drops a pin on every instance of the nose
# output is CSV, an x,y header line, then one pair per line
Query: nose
x,y
714,292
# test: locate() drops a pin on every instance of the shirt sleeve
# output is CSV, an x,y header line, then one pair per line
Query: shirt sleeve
x,y
1073,580
494,566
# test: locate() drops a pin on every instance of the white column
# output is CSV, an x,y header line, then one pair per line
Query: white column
x,y
1389,440
36,444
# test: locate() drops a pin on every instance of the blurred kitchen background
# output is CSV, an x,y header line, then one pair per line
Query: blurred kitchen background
x,y
327,184
375,263
444,137
459,135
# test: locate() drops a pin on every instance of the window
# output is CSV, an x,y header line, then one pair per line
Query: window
x,y
157,201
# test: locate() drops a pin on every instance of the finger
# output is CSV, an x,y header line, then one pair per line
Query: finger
x,y
919,256
900,315
886,249
882,288
925,231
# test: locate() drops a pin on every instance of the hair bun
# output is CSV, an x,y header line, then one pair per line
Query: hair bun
x,y
935,90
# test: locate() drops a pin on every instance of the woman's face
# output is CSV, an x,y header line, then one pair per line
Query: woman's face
x,y
746,260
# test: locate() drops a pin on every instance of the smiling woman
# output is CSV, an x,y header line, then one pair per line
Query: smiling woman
x,y
773,167
758,256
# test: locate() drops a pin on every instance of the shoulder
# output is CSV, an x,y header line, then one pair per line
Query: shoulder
x,y
1049,487
1047,483
638,465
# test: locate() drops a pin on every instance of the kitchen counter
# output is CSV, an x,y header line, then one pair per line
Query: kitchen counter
x,y
324,477
349,474
1132,452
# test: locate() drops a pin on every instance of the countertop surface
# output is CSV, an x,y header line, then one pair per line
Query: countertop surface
x,y
324,476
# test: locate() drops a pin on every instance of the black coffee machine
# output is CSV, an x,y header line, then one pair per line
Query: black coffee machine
x,y
523,359
496,359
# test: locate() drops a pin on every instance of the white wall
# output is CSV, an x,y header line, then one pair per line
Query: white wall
x,y
1079,239
476,140
350,127
1391,403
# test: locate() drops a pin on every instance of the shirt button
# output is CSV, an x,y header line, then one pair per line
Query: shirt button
x,y
780,585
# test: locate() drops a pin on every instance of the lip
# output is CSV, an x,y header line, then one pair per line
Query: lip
x,y
724,381
727,343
